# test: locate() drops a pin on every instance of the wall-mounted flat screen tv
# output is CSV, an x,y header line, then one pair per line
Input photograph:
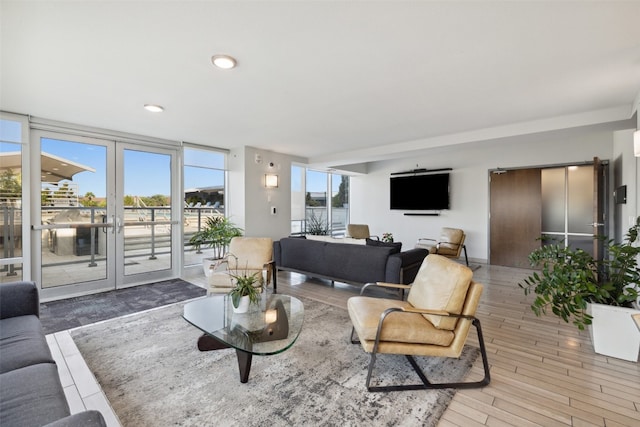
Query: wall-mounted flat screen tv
x,y
420,192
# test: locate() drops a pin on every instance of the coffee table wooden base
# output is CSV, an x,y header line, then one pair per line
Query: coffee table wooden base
x,y
209,343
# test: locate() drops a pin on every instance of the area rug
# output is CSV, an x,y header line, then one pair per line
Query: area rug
x,y
153,375
73,312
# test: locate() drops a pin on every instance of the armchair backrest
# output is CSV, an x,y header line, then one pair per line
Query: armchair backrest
x,y
451,241
358,231
250,253
441,284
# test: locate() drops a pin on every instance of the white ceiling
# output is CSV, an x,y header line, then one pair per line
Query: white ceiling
x,y
335,82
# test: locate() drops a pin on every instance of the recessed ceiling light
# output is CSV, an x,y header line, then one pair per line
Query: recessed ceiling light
x,y
154,108
225,62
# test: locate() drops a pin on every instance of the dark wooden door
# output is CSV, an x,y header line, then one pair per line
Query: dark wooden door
x,y
515,216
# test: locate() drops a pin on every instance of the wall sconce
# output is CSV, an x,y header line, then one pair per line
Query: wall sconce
x,y
636,143
271,180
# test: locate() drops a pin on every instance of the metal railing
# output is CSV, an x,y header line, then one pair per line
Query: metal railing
x,y
147,232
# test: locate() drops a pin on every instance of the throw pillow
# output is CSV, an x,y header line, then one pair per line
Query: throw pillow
x,y
396,245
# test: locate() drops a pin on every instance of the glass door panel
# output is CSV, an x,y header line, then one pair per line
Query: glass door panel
x,y
147,213
580,200
73,212
569,197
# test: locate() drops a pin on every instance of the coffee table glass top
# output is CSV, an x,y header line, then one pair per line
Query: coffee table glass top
x,y
270,327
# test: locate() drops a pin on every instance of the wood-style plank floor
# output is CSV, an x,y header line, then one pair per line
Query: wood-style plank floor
x,y
544,372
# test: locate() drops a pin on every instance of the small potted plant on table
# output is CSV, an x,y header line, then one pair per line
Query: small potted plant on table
x,y
245,291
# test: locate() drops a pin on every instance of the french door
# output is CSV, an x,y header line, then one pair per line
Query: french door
x,y
105,214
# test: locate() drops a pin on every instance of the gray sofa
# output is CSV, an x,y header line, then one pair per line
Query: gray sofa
x,y
348,263
30,390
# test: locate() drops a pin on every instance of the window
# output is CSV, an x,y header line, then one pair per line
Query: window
x,y
13,130
204,196
319,202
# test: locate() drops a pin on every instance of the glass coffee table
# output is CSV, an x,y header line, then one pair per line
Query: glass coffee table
x,y
270,327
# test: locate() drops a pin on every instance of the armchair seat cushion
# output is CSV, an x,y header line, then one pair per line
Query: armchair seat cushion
x,y
410,328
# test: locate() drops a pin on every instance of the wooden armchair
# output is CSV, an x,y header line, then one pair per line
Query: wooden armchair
x,y
435,320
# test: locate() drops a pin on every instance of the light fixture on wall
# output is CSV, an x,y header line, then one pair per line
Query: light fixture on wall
x,y
271,180
636,143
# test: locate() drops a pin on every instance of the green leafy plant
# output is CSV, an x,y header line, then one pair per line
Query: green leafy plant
x,y
245,285
216,233
571,278
387,237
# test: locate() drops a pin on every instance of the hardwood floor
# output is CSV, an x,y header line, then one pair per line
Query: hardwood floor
x,y
543,371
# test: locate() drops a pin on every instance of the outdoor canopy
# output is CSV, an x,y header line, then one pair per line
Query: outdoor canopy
x,y
54,168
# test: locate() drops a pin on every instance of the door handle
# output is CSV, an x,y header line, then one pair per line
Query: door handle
x,y
596,224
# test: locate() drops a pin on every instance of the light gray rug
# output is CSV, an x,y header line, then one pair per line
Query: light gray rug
x,y
153,375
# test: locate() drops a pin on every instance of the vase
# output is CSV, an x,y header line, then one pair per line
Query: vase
x,y
613,332
243,306
208,265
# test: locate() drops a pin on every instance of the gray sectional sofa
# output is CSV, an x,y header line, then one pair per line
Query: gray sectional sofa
x,y
30,390
348,263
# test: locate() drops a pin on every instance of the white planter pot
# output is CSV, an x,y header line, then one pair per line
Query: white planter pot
x,y
206,265
613,332
243,307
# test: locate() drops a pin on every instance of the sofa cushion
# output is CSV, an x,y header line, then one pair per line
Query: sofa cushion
x,y
441,284
32,396
19,299
397,246
22,343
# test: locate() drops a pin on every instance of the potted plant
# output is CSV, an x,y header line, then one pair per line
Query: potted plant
x,y
245,291
216,233
587,292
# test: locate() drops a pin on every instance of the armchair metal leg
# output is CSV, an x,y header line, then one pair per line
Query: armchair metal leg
x,y
426,384
353,340
466,259
275,279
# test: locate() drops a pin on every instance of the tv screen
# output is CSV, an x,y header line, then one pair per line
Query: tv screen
x,y
420,192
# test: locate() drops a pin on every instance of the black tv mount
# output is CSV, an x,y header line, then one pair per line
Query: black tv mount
x,y
420,171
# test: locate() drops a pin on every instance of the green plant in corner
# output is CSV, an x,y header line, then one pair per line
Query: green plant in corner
x,y
571,278
216,233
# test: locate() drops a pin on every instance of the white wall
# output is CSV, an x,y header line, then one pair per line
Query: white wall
x,y
469,182
627,170
250,201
